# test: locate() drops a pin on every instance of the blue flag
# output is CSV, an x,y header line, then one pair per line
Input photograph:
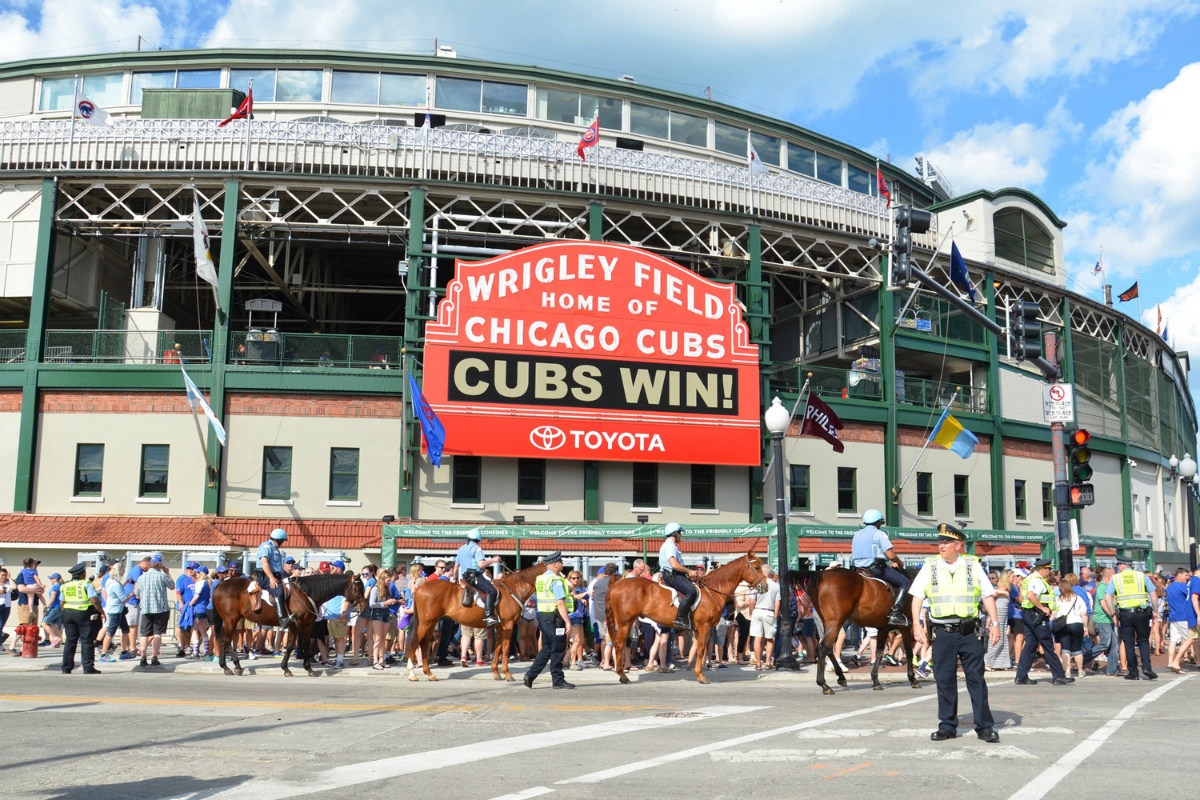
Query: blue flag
x,y
958,272
431,426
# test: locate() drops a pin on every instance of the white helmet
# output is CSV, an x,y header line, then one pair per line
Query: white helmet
x,y
279,535
872,516
671,529
474,535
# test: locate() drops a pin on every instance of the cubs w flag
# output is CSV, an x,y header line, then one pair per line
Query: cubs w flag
x,y
91,113
589,138
244,111
819,420
204,263
883,186
950,434
431,426
1129,294
196,399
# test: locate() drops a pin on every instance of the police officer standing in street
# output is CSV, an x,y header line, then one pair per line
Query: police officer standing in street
x,y
554,605
81,611
1037,606
1134,596
956,586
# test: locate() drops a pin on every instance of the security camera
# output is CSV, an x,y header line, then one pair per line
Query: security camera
x,y
1132,463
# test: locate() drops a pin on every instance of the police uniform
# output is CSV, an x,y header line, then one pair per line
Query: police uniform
x,y
81,613
1037,628
550,588
869,549
677,580
1133,595
956,592
467,559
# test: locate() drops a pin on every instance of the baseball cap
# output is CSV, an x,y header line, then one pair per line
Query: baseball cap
x,y
155,559
289,560
191,565
54,576
339,564
324,566
222,568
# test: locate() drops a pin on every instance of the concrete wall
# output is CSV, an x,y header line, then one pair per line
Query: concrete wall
x,y
20,205
10,423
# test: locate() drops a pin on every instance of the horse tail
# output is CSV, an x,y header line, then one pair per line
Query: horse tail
x,y
610,616
414,626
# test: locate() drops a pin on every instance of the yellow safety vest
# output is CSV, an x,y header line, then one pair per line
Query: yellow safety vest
x,y
74,595
1047,597
546,601
952,594
1130,586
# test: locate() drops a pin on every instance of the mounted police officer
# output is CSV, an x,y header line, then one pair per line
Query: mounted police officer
x,y
957,586
1037,606
872,550
1136,601
554,606
471,563
270,574
81,616
676,575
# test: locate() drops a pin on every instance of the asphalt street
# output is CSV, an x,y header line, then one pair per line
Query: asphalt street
x,y
187,731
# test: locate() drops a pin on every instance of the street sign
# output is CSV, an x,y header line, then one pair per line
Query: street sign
x,y
1058,402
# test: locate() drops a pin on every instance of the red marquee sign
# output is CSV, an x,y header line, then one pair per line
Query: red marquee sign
x,y
589,350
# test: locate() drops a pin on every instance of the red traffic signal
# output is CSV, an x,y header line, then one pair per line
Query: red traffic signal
x,y
1080,437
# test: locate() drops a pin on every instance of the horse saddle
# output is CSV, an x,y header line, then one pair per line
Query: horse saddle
x,y
675,598
866,573
468,594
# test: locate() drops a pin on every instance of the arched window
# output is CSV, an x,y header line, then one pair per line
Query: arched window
x,y
1020,239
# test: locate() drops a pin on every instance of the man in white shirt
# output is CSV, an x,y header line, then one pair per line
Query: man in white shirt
x,y
762,621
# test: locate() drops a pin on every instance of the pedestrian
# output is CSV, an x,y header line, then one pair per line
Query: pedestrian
x,y
998,656
956,587
114,598
1074,611
52,619
1037,606
600,612
30,593
152,590
1181,606
762,622
554,605
81,615
201,598
1107,640
1135,599
8,593
581,596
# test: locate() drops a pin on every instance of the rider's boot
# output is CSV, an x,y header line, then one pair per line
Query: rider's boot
x,y
683,620
284,617
489,610
896,615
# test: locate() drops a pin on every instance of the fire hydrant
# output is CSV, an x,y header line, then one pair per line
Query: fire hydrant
x,y
30,638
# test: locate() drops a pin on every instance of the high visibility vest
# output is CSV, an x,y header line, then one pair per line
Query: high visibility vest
x,y
1046,597
546,601
1130,586
74,595
952,594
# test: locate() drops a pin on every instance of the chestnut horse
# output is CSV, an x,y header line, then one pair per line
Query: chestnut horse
x,y
233,603
630,598
434,600
846,594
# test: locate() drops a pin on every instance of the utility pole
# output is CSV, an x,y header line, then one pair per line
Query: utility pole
x,y
1062,500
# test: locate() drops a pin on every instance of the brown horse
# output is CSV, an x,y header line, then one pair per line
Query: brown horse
x,y
630,598
434,600
233,603
846,594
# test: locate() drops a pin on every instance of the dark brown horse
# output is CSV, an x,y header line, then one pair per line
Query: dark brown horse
x,y
233,603
846,594
434,600
630,598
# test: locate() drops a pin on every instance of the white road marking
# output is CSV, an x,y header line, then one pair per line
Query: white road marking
x,y
1044,783
843,733
1012,730
859,753
536,791
339,778
650,763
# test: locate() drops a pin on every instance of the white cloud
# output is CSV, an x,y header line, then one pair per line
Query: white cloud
x,y
71,27
1179,312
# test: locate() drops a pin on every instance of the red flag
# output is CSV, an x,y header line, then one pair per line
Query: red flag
x,y
819,420
244,111
883,187
589,138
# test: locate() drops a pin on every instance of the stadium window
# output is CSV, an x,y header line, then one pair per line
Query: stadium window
x,y
575,108
924,494
645,485
686,129
962,496
264,83
466,479
277,473
1020,239
198,79
505,98
57,94
646,120
798,487
89,470
1047,502
103,90
360,88
801,160
704,486
531,481
402,90
173,79
343,473
829,169
858,180
297,85
155,458
847,490
769,148
730,139
456,94
1019,500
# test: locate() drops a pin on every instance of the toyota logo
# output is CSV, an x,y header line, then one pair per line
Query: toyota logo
x,y
547,437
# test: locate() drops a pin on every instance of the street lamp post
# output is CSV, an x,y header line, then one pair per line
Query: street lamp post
x,y
777,419
1187,473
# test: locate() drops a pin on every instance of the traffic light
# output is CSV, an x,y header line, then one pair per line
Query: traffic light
x,y
1026,329
908,221
1079,469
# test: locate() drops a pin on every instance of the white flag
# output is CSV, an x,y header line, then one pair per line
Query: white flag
x,y
204,263
195,398
757,167
91,113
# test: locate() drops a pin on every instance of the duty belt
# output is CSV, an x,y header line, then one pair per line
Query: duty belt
x,y
966,626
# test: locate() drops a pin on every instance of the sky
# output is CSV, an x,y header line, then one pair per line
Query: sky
x,y
1093,105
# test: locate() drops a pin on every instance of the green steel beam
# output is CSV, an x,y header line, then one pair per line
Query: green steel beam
x,y
996,453
596,221
591,491
758,311
412,344
39,306
220,343
330,381
922,343
1126,482
887,365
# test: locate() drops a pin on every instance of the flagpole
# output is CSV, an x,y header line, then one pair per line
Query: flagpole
x,y
74,108
249,118
1137,276
801,397
212,471
404,473
750,165
945,412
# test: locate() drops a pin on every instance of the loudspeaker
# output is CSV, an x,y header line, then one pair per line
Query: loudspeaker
x,y
629,144
435,120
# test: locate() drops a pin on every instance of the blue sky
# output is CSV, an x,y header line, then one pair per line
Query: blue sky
x,y
1094,105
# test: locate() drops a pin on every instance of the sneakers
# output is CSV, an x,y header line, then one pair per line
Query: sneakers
x,y
127,656
577,667
921,672
143,663
890,660
481,663
154,662
340,663
107,659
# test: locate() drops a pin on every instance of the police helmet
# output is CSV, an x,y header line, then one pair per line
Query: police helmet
x,y
474,535
279,535
672,529
872,516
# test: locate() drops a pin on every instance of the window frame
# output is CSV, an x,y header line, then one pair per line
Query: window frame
x,y
463,471
531,482
165,471
852,474
1047,502
962,496
267,470
800,491
647,482
334,473
79,482
703,482
925,494
1020,501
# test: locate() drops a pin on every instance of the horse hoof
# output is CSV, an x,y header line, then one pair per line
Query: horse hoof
x,y
312,674
878,687
827,690
842,683
238,671
433,677
624,679
228,671
915,685
413,678
702,679
287,672
510,679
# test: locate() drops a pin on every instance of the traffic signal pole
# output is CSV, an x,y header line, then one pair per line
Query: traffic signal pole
x,y
1062,501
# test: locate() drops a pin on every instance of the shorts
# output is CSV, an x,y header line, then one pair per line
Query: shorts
x,y
53,616
26,615
337,628
601,632
393,630
808,627
1180,632
1194,632
467,632
378,614
1017,626
133,616
320,630
114,621
154,624
762,623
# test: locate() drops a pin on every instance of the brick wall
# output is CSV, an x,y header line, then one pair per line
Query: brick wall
x,y
53,402
911,437
1020,449
313,405
10,402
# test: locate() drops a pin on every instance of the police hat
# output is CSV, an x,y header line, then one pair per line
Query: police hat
x,y
1043,562
950,533
79,568
552,557
1124,560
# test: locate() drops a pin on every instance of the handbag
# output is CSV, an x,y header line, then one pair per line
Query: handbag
x,y
1059,625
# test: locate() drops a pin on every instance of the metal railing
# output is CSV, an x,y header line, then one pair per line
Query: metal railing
x,y
318,350
939,319
12,347
852,384
339,148
127,347
936,394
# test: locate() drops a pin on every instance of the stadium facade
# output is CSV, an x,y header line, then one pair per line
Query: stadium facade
x,y
345,234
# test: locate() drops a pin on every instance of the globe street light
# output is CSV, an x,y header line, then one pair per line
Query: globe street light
x,y
1187,472
777,420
